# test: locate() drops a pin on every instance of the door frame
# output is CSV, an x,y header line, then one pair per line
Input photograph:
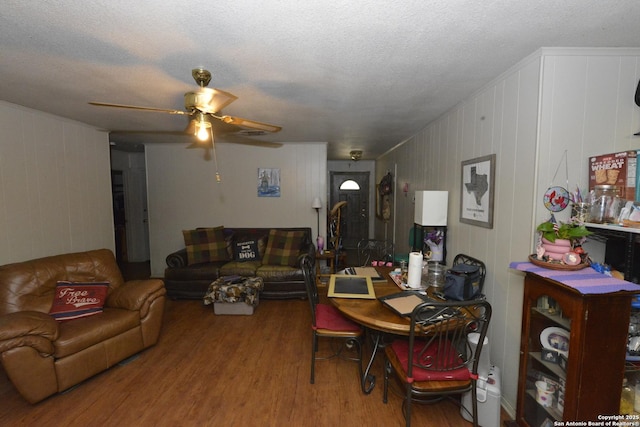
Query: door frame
x,y
335,176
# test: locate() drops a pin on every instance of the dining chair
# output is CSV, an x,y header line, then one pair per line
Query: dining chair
x,y
466,259
374,250
328,322
438,360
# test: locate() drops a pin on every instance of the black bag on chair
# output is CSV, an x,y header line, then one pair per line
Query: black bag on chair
x,y
462,282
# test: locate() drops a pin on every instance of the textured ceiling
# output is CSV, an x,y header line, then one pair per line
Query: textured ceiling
x,y
358,74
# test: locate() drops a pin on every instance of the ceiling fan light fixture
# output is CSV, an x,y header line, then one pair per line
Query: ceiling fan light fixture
x,y
202,127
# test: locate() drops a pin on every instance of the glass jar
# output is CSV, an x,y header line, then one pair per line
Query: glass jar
x,y
435,274
605,204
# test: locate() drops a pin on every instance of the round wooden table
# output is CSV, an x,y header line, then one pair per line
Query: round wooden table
x,y
371,313
379,320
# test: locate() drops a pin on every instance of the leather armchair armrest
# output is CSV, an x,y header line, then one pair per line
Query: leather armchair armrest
x,y
28,328
136,295
177,259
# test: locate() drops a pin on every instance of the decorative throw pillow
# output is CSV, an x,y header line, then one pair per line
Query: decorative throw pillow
x,y
205,245
78,299
283,247
246,250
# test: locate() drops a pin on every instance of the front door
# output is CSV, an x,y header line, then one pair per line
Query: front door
x,y
352,187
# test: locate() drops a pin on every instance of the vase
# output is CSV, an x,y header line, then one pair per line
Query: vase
x,y
555,250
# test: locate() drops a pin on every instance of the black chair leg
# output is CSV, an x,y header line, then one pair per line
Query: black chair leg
x,y
314,349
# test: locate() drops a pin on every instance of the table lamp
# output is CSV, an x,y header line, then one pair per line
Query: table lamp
x,y
431,210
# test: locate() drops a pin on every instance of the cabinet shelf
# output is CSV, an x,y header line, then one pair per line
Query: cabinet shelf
x,y
593,319
555,413
551,367
556,318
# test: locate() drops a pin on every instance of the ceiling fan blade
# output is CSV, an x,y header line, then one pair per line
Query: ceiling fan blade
x,y
208,100
233,139
134,107
239,121
239,139
200,144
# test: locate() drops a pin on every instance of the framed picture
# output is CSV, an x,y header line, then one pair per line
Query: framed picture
x,y
477,191
268,182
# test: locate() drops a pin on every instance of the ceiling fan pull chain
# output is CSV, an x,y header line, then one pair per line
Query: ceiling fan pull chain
x,y
215,158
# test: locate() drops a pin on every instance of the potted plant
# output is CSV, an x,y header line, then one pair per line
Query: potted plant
x,y
558,239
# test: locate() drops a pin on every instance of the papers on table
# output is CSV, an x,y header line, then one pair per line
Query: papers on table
x,y
364,271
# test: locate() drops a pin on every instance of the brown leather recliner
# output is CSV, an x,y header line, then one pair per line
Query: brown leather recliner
x,y
43,356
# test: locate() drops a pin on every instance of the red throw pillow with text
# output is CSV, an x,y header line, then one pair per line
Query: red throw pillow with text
x,y
78,299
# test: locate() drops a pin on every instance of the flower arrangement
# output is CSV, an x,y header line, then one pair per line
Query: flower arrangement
x,y
562,242
435,240
573,230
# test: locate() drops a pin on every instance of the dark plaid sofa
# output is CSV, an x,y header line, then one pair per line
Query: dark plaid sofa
x,y
270,253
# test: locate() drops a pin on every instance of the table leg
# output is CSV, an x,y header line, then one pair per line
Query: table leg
x,y
368,380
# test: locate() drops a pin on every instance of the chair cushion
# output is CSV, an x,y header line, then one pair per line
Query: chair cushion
x,y
283,247
79,334
206,245
328,317
401,350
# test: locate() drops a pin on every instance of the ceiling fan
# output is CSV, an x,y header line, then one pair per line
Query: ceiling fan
x,y
204,107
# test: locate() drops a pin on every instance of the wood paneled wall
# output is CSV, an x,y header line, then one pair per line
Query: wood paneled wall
x,y
579,100
55,186
183,193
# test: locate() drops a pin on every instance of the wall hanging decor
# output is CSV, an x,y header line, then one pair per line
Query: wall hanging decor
x,y
477,191
557,198
268,182
383,203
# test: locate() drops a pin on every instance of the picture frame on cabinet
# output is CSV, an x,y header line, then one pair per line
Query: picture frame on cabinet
x,y
477,191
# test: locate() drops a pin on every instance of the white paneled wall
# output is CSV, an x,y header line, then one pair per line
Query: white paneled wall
x,y
183,193
55,186
555,100
587,109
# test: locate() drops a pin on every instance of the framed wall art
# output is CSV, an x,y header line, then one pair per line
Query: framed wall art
x,y
268,182
477,191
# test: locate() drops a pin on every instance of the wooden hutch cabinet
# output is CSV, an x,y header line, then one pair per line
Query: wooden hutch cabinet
x,y
590,376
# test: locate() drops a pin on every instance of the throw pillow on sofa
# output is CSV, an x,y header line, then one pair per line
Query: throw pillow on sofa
x,y
255,252
205,245
283,247
78,299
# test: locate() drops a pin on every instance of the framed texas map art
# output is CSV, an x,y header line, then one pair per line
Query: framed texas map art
x,y
477,191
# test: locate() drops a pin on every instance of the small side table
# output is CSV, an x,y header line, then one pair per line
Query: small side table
x,y
331,257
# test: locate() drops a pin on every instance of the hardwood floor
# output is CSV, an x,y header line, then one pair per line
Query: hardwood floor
x,y
224,371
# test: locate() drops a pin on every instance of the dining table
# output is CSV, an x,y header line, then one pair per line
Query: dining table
x,y
381,323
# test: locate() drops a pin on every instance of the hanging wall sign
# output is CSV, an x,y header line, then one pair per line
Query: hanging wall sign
x,y
556,199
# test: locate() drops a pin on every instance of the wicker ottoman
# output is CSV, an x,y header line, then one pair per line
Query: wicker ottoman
x,y
234,294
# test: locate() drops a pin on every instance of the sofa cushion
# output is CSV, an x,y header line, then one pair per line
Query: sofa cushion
x,y
279,273
233,268
79,334
73,300
245,250
206,271
283,247
205,245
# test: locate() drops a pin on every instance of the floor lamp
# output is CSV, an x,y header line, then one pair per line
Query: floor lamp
x,y
317,205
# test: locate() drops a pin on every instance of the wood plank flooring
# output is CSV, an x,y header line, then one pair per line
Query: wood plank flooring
x,y
211,370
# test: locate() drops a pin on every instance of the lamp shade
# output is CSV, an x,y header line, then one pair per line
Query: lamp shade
x,y
431,208
317,203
